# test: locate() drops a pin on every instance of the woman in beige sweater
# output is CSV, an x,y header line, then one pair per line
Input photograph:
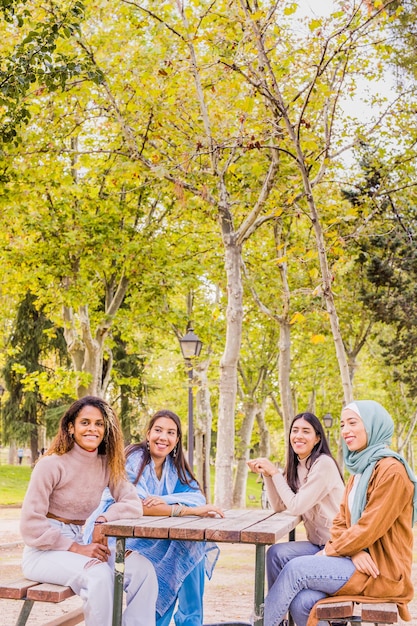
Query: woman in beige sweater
x,y
65,488
310,486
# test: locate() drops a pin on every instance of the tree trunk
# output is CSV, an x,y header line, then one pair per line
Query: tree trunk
x,y
281,112
125,414
284,371
327,290
34,445
12,452
87,351
242,454
228,378
264,439
204,420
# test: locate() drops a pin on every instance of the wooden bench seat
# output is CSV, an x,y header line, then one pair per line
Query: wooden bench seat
x,y
30,591
350,612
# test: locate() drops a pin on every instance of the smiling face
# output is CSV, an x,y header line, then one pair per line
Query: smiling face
x,y
162,437
353,431
303,438
88,428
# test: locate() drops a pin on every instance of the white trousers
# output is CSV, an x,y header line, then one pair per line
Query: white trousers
x,y
94,582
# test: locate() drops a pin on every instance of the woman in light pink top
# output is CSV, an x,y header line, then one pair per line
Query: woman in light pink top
x,y
311,486
65,488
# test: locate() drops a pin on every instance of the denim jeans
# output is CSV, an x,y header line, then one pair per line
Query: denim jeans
x,y
279,554
302,582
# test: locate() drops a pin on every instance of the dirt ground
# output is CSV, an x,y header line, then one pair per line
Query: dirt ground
x,y
228,595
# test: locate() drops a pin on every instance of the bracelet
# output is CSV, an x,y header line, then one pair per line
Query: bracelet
x,y
96,522
176,510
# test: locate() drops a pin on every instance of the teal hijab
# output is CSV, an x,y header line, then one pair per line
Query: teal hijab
x,y
379,429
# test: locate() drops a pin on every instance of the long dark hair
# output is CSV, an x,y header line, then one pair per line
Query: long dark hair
x,y
184,471
112,444
321,447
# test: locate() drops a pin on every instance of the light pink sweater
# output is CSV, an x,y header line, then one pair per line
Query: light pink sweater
x,y
317,500
70,486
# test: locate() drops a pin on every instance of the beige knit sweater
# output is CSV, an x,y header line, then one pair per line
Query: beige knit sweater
x,y
317,500
70,486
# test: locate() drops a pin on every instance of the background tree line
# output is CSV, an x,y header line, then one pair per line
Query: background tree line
x,y
238,164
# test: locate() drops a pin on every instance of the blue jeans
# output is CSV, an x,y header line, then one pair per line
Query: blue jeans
x,y
279,554
190,601
302,582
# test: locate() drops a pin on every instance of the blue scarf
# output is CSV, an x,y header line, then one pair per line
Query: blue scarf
x,y
379,429
173,560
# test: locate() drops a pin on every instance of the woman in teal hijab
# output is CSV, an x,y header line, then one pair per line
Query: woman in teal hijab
x,y
370,550
379,429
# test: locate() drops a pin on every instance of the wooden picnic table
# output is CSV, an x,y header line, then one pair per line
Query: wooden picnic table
x,y
260,527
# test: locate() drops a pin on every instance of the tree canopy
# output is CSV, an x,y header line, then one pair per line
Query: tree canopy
x,y
156,150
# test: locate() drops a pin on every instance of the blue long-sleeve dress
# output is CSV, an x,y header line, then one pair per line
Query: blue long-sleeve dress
x,y
173,560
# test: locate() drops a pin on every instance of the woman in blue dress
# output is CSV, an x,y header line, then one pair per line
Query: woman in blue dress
x,y
167,486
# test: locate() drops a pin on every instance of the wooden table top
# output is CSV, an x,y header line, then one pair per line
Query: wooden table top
x,y
256,526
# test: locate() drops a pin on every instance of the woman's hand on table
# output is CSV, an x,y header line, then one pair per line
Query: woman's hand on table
x,y
264,466
153,501
364,563
206,510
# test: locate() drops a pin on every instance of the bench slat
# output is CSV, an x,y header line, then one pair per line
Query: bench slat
x,y
30,591
16,589
47,592
334,610
378,613
386,613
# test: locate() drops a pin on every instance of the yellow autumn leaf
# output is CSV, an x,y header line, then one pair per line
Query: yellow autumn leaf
x,y
290,9
315,339
314,24
282,259
258,15
297,317
310,144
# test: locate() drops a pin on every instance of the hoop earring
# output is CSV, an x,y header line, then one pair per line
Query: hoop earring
x,y
174,452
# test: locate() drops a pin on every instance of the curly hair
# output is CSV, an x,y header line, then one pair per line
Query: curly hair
x,y
112,445
184,471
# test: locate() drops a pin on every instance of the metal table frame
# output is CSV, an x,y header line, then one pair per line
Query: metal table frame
x,y
122,530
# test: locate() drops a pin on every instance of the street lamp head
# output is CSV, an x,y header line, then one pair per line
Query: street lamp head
x,y
328,420
190,344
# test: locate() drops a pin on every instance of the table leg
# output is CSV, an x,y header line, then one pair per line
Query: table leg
x,y
291,538
258,619
119,570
